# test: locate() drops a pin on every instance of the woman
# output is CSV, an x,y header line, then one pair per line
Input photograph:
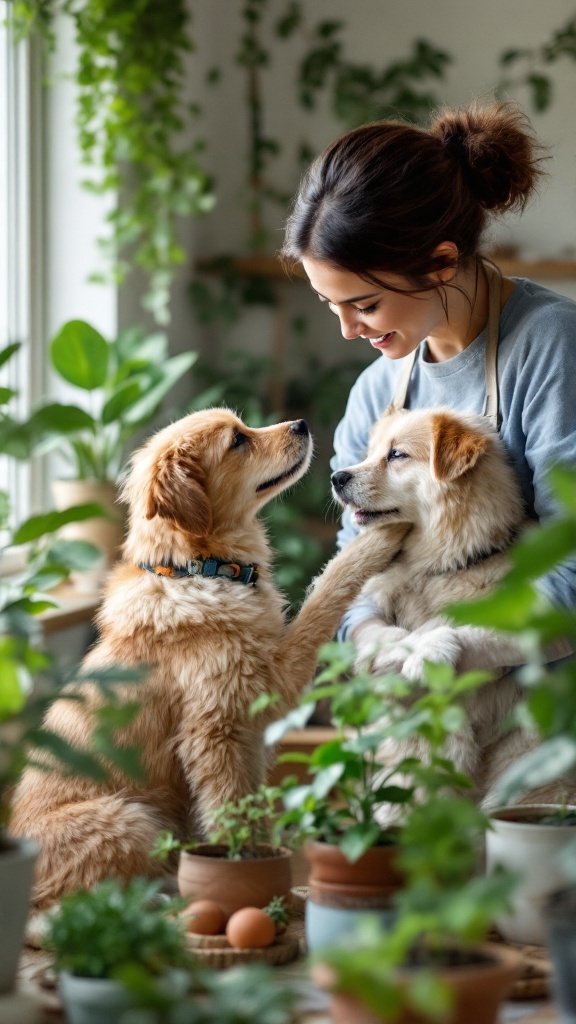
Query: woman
x,y
388,224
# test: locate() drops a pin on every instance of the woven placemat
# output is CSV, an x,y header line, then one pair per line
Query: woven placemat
x,y
216,951
536,973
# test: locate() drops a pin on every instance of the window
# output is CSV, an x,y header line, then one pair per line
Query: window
x,y
18,244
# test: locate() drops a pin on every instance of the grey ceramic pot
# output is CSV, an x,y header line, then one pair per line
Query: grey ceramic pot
x,y
17,859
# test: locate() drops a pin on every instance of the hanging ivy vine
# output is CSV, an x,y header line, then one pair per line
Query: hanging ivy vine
x,y
131,117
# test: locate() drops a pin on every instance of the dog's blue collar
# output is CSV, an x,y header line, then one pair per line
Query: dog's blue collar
x,y
215,567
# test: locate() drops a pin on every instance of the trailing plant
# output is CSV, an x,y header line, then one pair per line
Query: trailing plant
x,y
131,117
351,775
529,66
125,380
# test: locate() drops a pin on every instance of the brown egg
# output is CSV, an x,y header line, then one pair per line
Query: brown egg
x,y
250,928
204,917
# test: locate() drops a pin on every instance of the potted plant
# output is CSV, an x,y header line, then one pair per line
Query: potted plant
x,y
108,942
537,831
350,813
433,961
245,863
124,382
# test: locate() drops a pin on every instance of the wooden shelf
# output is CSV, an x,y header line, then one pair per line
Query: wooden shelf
x,y
268,265
546,269
74,608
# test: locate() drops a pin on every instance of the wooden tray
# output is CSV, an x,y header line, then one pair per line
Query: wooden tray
x,y
216,951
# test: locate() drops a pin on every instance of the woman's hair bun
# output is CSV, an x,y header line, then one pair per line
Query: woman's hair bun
x,y
497,150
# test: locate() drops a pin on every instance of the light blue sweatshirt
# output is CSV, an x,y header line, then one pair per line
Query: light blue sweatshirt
x,y
537,387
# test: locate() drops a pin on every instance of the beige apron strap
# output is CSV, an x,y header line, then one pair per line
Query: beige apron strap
x,y
491,361
401,390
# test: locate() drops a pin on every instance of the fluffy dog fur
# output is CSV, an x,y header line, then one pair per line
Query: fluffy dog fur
x,y
212,647
448,475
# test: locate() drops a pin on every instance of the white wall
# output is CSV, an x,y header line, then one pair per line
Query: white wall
x,y
377,32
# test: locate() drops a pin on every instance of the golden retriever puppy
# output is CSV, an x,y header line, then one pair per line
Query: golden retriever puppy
x,y
448,475
194,600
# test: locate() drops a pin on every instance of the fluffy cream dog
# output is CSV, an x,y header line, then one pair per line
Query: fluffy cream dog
x,y
448,475
193,599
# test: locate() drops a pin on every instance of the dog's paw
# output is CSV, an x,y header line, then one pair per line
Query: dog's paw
x,y
441,645
377,645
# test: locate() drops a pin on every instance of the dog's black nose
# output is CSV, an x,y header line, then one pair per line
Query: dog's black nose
x,y
300,427
340,479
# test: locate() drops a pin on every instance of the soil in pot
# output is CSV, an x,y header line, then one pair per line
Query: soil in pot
x,y
479,988
526,839
207,873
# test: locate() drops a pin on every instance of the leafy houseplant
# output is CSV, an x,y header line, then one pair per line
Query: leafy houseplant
x,y
126,380
245,863
108,943
351,813
131,116
29,681
549,707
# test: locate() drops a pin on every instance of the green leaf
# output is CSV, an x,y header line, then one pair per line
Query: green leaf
x,y
546,763
358,839
7,352
50,522
508,608
61,419
79,354
74,555
12,698
563,481
170,374
541,548
121,400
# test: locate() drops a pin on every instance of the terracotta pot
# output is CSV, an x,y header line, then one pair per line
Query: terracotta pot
x,y
106,534
206,873
530,848
369,883
479,989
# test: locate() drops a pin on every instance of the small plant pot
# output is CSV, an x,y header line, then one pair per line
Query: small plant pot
x,y
328,926
93,1000
17,859
207,873
478,991
106,533
367,884
560,917
105,1000
520,842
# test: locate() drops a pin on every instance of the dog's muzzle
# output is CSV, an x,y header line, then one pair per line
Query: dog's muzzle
x,y
339,480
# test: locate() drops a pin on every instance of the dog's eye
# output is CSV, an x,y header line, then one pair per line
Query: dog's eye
x,y
395,453
238,439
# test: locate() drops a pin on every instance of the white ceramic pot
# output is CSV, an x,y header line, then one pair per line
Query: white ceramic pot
x,y
105,1001
93,1000
528,848
107,534
17,859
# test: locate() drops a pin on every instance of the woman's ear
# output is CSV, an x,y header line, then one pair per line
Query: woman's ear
x,y
178,492
447,255
455,447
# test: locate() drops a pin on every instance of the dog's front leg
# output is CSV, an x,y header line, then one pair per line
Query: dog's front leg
x,y
327,600
222,761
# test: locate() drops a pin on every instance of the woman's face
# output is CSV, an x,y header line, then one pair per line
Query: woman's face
x,y
393,322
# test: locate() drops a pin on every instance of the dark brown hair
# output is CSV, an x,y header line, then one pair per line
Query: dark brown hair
x,y
383,196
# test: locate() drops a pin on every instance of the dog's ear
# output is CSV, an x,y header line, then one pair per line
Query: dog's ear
x,y
178,491
456,447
